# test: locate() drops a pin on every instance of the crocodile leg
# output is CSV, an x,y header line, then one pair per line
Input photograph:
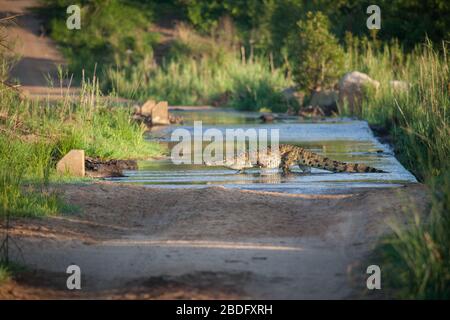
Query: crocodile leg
x,y
287,160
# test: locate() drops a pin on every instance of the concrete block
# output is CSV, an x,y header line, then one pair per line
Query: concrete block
x,y
72,163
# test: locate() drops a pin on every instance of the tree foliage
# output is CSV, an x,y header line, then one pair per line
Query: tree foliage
x,y
315,54
408,20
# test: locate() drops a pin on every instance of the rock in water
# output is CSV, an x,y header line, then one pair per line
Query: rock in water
x,y
72,163
152,113
147,108
160,114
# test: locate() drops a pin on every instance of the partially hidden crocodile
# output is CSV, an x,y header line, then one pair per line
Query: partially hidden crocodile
x,y
287,156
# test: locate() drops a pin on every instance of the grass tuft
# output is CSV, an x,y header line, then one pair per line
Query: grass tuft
x,y
5,273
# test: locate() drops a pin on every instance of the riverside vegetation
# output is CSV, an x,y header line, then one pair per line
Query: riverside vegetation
x,y
418,120
35,135
243,54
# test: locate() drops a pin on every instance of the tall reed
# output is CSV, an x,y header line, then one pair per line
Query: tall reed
x,y
417,257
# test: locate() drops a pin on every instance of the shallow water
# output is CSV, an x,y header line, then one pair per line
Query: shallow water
x,y
340,139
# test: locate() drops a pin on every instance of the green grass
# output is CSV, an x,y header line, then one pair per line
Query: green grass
x,y
36,135
417,117
202,70
21,161
416,257
101,130
250,86
5,273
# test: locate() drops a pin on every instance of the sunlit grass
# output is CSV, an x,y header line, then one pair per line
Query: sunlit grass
x,y
202,70
417,256
35,135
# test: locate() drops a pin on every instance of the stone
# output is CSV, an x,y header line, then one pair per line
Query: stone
x,y
267,117
351,90
325,100
152,113
160,113
147,108
72,163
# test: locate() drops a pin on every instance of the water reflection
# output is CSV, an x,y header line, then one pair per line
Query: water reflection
x,y
339,139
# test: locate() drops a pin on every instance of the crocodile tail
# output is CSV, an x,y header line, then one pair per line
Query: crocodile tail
x,y
317,161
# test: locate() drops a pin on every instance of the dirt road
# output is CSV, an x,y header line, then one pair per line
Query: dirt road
x,y
134,242
37,69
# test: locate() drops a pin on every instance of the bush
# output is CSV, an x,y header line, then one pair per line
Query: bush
x,y
111,34
317,58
